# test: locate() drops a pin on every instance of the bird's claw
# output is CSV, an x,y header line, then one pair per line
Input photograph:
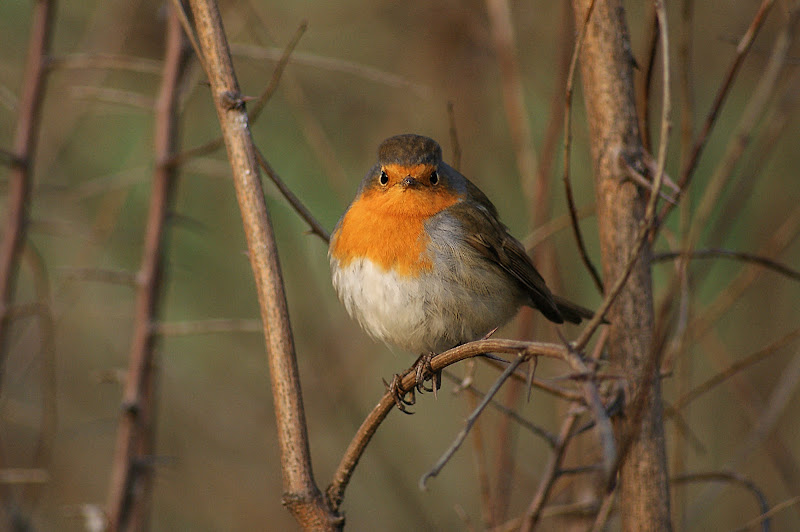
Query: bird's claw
x,y
395,389
423,371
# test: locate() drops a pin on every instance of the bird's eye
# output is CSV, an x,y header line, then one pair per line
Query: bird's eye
x,y
434,177
383,179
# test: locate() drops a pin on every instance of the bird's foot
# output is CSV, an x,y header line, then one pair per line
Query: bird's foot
x,y
423,371
402,398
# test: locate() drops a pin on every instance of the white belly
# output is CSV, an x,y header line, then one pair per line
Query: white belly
x,y
426,313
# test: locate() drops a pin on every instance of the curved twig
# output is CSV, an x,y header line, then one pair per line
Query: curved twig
x,y
733,478
468,424
729,254
598,282
369,426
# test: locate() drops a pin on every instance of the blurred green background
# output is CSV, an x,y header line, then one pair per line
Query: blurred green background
x,y
216,431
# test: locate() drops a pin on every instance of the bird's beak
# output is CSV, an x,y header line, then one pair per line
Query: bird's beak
x,y
409,182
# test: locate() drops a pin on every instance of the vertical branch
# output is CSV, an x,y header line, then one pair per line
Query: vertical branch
x,y
131,475
47,353
19,181
606,67
301,494
513,97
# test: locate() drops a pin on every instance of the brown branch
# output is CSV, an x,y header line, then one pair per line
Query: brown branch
x,y
766,515
625,221
301,494
732,478
697,149
43,449
728,254
647,81
294,201
742,135
130,487
186,328
20,179
502,32
598,282
103,61
334,64
451,120
550,475
262,100
735,368
24,150
546,435
470,421
369,426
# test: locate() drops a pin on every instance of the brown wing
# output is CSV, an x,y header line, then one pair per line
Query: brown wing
x,y
490,238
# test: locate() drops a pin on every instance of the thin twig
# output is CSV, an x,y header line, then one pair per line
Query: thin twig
x,y
545,434
369,426
516,111
113,96
334,64
766,515
102,61
729,254
294,201
20,179
101,275
130,487
24,150
545,386
462,435
741,136
550,475
598,282
301,494
47,359
262,100
735,368
451,120
741,51
732,478
605,512
647,84
187,328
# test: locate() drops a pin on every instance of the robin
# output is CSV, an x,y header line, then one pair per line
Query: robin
x,y
421,260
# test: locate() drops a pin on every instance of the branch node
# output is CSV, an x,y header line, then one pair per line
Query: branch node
x,y
233,100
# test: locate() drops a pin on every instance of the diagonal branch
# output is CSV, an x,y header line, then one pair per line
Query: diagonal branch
x,y
697,148
369,426
301,494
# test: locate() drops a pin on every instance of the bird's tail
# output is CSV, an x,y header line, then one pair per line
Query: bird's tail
x,y
572,312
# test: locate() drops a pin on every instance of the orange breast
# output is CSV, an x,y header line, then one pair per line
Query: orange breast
x,y
387,227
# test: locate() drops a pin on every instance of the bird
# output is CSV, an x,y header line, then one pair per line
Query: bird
x,y
421,260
